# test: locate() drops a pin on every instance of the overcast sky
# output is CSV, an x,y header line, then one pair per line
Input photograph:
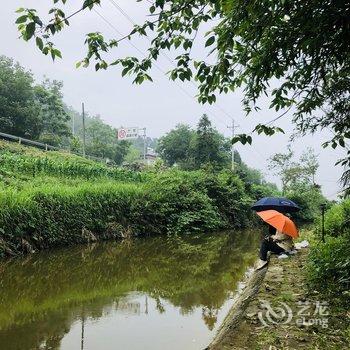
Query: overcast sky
x,y
158,106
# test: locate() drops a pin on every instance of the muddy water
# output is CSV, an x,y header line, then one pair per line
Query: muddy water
x,y
152,293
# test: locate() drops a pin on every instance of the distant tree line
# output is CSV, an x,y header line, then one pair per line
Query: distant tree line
x,y
38,112
191,148
205,148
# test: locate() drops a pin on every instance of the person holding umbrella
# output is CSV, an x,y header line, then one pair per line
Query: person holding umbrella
x,y
282,229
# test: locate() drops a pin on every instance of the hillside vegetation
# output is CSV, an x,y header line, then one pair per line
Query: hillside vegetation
x,y
52,199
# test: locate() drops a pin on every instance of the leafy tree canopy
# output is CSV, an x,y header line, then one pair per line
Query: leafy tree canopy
x,y
19,109
38,112
174,147
28,110
193,149
209,146
298,182
53,112
293,173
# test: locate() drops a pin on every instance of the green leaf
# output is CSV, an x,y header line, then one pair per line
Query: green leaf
x,y
236,139
30,29
210,41
125,71
58,53
21,19
39,43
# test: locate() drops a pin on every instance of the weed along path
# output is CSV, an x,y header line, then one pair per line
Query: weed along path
x,y
149,293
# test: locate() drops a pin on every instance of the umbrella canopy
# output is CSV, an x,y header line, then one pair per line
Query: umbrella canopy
x,y
279,222
283,205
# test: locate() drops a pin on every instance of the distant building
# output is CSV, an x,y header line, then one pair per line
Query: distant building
x,y
151,157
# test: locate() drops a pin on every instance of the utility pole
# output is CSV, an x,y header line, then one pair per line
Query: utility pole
x,y
144,145
233,128
73,126
83,110
323,209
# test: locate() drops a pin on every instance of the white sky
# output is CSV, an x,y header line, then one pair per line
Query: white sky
x,y
158,106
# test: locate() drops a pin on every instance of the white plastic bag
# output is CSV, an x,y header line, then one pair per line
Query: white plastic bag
x,y
302,244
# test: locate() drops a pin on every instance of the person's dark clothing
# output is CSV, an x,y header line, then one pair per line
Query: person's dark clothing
x,y
268,245
272,230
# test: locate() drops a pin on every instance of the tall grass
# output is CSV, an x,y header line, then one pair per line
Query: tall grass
x,y
329,267
61,215
337,219
173,202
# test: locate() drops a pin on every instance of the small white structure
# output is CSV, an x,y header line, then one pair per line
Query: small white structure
x,y
150,157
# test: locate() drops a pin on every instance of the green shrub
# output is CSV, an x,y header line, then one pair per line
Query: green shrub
x,y
180,204
222,203
170,202
337,219
263,190
329,267
61,215
229,195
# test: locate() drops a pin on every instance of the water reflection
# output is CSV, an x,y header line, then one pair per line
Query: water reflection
x,y
140,294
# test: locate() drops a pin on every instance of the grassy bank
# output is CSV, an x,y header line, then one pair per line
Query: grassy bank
x,y
329,261
311,287
316,321
51,199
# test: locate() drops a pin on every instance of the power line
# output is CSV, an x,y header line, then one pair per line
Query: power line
x,y
169,59
125,14
85,6
120,9
155,65
217,105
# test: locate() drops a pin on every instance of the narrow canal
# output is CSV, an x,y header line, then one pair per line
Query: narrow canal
x,y
150,293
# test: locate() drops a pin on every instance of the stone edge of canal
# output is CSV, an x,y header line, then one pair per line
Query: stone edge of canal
x,y
237,310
